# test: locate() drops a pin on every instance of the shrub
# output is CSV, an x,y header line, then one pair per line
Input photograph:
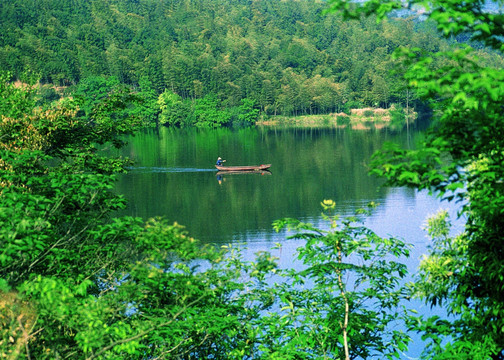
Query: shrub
x,y
352,104
342,120
369,113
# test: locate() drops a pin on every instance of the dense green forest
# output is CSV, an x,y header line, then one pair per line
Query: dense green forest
x,y
279,57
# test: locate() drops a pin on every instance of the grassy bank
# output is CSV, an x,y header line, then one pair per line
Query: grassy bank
x,y
358,119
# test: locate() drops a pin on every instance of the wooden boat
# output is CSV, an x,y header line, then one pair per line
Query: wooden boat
x,y
258,172
243,168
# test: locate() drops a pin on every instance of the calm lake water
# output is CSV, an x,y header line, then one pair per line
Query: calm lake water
x,y
174,176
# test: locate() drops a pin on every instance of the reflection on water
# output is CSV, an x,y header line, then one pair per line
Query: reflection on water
x,y
155,169
174,176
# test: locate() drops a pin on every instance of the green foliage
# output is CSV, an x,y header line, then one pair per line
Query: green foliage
x,y
288,57
346,303
47,95
343,120
247,113
16,101
94,89
461,158
89,285
368,113
147,108
447,278
77,282
347,109
209,114
172,109
202,113
397,116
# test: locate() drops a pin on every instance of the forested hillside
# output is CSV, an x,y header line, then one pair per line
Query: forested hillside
x,y
288,57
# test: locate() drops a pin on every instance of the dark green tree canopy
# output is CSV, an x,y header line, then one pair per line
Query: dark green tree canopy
x,y
289,57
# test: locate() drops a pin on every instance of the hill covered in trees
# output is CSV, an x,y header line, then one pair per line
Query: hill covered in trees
x,y
283,57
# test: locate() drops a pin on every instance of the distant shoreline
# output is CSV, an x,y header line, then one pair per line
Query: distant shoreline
x,y
359,119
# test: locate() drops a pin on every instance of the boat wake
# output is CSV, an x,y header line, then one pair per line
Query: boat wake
x,y
147,169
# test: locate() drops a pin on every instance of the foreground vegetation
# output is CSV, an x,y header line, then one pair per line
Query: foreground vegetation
x,y
461,160
76,282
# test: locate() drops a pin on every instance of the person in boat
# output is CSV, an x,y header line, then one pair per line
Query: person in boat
x,y
220,161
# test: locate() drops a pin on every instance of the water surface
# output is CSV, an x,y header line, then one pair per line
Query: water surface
x,y
174,176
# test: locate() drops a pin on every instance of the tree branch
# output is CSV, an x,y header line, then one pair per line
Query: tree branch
x,y
143,333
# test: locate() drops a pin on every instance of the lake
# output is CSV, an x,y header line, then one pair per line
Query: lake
x,y
174,176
